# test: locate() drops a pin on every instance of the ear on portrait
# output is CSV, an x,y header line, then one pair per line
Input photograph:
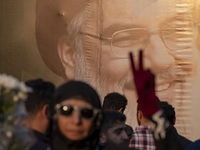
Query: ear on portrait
x,y
66,53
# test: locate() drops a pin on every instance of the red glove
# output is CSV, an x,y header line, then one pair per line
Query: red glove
x,y
145,86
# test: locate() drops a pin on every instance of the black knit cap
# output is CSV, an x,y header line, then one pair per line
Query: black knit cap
x,y
75,89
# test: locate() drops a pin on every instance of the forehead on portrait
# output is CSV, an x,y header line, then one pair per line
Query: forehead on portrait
x,y
58,24
52,20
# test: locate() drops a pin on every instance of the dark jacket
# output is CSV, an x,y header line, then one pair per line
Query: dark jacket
x,y
173,140
42,142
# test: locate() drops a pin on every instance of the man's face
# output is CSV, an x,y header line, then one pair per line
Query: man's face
x,y
156,25
117,133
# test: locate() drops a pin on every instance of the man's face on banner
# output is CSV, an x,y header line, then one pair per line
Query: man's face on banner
x,y
154,26
109,29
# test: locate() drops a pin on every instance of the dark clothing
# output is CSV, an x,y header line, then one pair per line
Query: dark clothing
x,y
41,142
183,141
165,135
114,146
173,140
129,131
194,146
60,142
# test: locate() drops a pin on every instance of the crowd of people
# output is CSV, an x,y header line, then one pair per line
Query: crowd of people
x,y
72,117
72,37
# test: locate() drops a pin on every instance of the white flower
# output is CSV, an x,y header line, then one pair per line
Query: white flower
x,y
21,95
11,109
8,82
11,83
24,88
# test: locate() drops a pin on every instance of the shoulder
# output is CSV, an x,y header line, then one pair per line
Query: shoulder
x,y
194,146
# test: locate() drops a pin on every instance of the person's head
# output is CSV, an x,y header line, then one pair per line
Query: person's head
x,y
113,128
90,41
115,101
141,120
37,103
76,106
169,112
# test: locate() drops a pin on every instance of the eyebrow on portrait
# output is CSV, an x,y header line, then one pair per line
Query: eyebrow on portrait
x,y
107,32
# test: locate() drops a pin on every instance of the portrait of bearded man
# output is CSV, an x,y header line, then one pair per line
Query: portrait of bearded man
x,y
89,40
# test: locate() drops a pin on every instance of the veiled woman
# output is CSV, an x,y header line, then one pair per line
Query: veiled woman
x,y
76,112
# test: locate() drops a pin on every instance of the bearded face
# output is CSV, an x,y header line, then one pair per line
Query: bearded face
x,y
110,40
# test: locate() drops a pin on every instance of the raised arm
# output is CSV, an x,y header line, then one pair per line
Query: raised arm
x,y
165,137
145,86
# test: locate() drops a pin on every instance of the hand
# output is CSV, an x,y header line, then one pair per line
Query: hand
x,y
145,86
158,124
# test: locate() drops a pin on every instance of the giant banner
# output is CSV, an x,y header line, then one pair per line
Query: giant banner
x,y
89,40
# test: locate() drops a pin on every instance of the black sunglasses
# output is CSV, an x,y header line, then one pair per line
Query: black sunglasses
x,y
67,110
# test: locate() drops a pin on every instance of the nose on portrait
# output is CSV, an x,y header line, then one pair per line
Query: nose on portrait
x,y
157,56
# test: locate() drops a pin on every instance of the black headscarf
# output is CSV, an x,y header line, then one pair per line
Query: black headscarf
x,y
79,90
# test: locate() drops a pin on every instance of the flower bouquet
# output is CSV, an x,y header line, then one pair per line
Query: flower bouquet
x,y
13,133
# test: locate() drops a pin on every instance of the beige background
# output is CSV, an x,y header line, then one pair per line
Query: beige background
x,y
18,50
19,55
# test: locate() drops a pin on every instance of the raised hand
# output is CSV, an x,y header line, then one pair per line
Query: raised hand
x,y
145,86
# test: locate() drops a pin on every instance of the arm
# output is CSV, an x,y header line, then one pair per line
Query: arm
x,y
145,84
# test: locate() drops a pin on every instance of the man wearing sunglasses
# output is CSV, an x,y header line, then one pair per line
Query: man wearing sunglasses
x,y
76,113
90,41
